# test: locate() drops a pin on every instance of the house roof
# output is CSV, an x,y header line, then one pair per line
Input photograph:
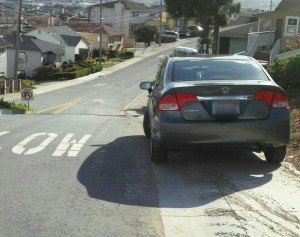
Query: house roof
x,y
286,3
31,43
47,47
60,30
88,27
129,5
71,40
63,33
4,43
291,7
242,31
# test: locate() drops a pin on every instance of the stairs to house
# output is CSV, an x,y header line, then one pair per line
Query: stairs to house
x,y
262,55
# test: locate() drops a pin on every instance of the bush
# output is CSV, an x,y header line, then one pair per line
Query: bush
x,y
285,73
14,106
28,83
42,73
112,53
126,54
96,68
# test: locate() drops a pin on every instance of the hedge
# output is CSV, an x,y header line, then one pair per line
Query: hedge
x,y
75,74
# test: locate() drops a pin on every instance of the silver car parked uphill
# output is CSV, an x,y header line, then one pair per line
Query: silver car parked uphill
x,y
212,101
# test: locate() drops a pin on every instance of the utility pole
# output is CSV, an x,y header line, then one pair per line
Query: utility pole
x,y
160,23
18,36
271,3
100,33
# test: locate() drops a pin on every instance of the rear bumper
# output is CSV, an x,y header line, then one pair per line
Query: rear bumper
x,y
171,131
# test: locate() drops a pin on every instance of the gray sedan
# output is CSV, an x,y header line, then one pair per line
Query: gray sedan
x,y
216,101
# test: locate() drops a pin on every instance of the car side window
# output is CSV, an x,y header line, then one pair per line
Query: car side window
x,y
160,75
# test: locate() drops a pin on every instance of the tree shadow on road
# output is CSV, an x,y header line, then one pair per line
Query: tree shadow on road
x,y
121,172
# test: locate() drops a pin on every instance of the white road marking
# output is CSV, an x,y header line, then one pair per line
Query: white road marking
x,y
98,85
20,149
100,100
65,143
3,133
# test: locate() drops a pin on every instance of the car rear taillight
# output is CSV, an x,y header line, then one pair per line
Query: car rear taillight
x,y
175,101
274,99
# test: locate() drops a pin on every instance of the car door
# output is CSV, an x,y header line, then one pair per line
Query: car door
x,y
155,93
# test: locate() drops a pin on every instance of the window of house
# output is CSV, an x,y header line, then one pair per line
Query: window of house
x,y
291,26
135,14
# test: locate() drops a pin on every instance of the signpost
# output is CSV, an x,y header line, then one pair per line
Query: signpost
x,y
26,95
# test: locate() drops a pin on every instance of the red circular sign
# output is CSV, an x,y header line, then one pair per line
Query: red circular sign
x,y
27,94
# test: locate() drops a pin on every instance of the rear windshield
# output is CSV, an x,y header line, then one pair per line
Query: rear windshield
x,y
217,69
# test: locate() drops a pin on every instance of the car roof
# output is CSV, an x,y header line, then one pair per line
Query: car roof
x,y
201,57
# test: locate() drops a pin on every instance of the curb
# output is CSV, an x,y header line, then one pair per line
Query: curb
x,y
13,111
135,107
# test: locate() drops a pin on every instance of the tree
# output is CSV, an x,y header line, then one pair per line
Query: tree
x,y
210,13
146,34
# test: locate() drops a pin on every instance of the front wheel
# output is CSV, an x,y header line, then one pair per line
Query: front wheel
x,y
158,153
275,155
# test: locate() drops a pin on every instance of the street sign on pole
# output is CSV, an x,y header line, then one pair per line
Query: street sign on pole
x,y
27,94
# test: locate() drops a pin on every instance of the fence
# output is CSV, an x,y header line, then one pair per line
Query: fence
x,y
10,86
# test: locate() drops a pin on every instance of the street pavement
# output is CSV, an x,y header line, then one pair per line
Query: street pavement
x,y
134,109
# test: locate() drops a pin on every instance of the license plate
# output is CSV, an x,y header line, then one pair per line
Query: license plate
x,y
225,107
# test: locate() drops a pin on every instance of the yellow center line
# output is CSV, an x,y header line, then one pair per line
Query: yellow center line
x,y
60,108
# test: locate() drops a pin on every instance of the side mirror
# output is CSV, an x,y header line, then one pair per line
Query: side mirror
x,y
146,85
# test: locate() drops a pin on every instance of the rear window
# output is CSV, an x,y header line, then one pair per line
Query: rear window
x,y
217,69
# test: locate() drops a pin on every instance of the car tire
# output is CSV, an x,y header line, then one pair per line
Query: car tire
x,y
147,125
158,154
275,155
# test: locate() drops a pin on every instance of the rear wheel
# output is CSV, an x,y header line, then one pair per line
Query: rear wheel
x,y
146,124
158,153
275,155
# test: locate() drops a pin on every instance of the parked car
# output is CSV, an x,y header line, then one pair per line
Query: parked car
x,y
184,51
184,34
172,33
165,38
216,101
195,31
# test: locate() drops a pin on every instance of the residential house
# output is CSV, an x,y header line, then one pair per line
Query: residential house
x,y
124,15
33,53
112,39
4,46
285,19
234,39
71,41
266,38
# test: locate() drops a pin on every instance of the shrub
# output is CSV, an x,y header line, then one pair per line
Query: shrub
x,y
21,76
90,61
126,54
26,83
12,105
285,73
104,59
63,76
42,73
64,65
112,53
96,68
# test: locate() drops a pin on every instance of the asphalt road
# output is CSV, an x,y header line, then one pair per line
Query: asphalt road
x,y
81,167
